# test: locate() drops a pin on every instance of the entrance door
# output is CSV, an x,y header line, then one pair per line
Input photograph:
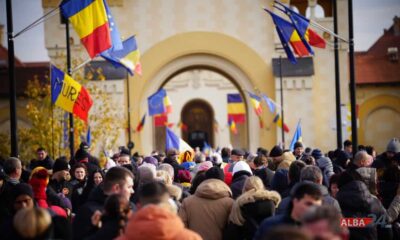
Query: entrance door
x,y
198,116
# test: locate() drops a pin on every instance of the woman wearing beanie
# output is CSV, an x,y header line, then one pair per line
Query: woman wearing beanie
x,y
250,209
38,180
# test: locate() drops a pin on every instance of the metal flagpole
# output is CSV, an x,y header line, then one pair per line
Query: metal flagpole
x,y
337,79
11,80
354,136
71,116
282,112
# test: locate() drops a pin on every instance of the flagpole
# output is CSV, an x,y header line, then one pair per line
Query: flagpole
x,y
354,136
337,79
81,65
71,116
129,107
11,80
282,113
38,21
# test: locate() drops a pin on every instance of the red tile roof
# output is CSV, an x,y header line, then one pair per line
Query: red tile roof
x,y
374,65
23,73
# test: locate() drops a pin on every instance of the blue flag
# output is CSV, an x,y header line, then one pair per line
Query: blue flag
x,y
126,57
171,140
284,30
88,136
300,23
116,43
297,137
156,102
270,104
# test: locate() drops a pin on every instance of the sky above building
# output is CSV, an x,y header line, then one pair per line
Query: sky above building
x,y
371,17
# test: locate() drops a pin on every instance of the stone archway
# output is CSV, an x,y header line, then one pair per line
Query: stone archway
x,y
198,116
193,49
373,114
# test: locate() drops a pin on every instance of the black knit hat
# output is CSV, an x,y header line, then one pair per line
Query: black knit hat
x,y
276,151
215,172
81,154
21,189
237,152
298,144
60,164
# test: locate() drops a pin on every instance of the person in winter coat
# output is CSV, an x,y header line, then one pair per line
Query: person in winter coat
x,y
172,159
298,150
207,211
157,222
118,180
12,170
303,197
79,183
361,163
59,181
112,222
386,158
312,174
262,171
326,166
241,171
293,177
250,209
356,201
280,182
43,160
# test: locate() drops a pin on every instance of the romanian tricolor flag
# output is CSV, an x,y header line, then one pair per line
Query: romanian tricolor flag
x,y
167,104
127,57
141,123
236,108
288,35
69,94
232,127
90,21
261,122
278,121
302,25
161,120
256,101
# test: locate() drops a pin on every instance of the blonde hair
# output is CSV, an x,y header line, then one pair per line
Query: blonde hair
x,y
164,177
253,182
31,223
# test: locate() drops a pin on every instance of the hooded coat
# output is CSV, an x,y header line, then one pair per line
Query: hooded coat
x,y
156,223
356,201
207,211
248,211
238,180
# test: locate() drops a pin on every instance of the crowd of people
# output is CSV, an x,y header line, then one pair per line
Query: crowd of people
x,y
223,194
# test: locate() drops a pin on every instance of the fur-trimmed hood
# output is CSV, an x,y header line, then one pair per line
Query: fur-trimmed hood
x,y
251,196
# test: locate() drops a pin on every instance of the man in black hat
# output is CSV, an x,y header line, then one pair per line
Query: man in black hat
x,y
59,180
298,150
236,156
84,151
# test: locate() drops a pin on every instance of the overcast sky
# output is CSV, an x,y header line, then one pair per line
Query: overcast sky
x,y
370,18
